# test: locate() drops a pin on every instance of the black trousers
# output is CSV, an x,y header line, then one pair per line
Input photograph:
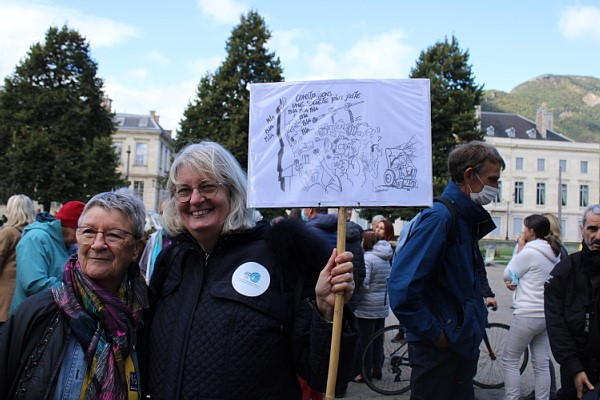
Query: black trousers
x,y
438,373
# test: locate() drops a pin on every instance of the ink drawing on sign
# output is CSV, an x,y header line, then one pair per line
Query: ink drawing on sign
x,y
340,143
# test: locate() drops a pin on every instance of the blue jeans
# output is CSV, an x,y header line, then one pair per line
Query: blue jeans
x,y
438,373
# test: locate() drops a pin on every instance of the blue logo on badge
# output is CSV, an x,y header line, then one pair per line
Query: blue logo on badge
x,y
253,276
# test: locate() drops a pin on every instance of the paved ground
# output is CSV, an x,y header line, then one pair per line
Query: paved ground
x,y
504,314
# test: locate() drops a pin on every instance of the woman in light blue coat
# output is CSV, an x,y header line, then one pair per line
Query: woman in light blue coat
x,y
373,306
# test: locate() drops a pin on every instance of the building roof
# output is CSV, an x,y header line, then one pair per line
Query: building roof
x,y
515,126
136,121
140,122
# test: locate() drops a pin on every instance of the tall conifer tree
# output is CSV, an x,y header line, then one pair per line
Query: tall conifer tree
x,y
220,111
454,95
54,128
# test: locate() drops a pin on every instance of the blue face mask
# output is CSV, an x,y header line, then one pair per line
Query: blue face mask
x,y
303,216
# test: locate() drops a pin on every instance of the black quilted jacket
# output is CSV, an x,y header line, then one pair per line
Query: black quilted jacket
x,y
208,341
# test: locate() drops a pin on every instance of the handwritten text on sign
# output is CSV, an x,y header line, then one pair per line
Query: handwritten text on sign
x,y
340,143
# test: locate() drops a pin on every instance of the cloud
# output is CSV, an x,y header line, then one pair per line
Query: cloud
x,y
22,25
580,22
200,66
382,56
282,43
168,101
139,73
223,11
158,57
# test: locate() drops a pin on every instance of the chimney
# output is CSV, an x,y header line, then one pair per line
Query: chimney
x,y
154,116
541,121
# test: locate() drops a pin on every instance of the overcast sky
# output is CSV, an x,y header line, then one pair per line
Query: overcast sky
x,y
152,54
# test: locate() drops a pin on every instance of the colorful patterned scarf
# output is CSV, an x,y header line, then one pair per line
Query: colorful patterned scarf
x,y
104,324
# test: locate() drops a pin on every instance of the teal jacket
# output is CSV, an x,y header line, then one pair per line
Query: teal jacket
x,y
41,256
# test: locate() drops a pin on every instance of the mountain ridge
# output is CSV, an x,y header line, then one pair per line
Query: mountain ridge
x,y
574,101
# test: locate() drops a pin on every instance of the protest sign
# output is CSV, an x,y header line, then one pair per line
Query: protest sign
x,y
340,143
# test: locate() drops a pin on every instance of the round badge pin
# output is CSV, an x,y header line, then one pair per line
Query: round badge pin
x,y
251,279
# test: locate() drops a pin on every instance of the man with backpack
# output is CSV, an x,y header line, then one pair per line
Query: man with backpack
x,y
436,281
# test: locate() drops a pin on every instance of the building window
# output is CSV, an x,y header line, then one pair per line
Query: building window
x,y
584,196
517,226
518,193
563,226
498,197
141,153
541,164
583,167
138,189
118,146
498,230
519,163
562,165
563,194
540,194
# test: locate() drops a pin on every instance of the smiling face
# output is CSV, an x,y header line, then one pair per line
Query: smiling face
x,y
203,218
106,264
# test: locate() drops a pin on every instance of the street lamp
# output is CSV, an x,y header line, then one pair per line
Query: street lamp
x,y
507,218
127,169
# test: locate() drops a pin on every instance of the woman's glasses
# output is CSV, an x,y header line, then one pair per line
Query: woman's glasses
x,y
207,189
112,237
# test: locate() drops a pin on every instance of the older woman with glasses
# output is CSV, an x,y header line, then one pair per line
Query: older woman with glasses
x,y
80,340
243,307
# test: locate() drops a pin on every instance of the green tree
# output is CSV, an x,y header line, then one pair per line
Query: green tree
x,y
221,110
54,128
454,96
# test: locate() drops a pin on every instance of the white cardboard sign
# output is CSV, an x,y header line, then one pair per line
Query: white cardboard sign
x,y
340,143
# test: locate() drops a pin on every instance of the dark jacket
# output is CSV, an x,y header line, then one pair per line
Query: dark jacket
x,y
325,226
571,306
435,283
210,341
32,346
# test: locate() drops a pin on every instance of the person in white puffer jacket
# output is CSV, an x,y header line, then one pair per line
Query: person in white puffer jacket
x,y
537,253
373,305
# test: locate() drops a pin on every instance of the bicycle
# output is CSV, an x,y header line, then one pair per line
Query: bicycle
x,y
490,374
395,368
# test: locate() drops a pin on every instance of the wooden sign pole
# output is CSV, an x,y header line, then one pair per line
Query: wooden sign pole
x,y
334,353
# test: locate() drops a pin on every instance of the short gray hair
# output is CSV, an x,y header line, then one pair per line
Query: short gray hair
x,y
124,201
377,218
213,160
20,210
472,154
594,208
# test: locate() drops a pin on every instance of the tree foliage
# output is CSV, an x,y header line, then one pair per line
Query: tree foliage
x,y
220,111
54,129
454,95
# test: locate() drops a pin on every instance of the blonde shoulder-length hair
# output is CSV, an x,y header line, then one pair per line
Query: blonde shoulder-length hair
x,y
20,210
214,161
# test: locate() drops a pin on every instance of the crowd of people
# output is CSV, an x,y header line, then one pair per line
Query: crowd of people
x,y
220,304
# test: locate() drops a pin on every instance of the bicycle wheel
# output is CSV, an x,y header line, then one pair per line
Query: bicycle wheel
x,y
392,374
490,373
